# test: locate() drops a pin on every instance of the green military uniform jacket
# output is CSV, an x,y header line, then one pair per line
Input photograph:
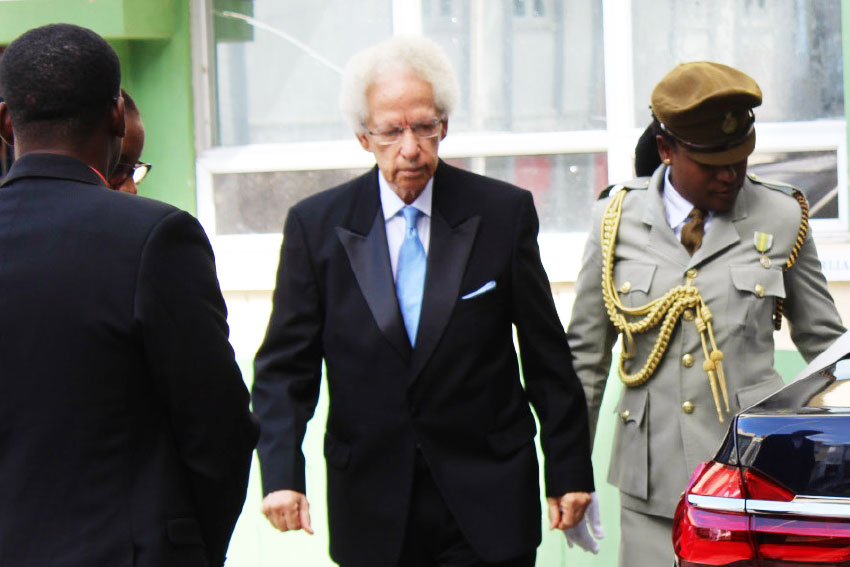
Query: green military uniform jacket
x,y
668,425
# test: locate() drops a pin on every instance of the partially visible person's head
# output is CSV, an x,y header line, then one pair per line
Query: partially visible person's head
x,y
397,96
703,112
130,171
647,159
61,84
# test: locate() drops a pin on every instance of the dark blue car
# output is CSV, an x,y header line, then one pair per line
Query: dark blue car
x,y
778,491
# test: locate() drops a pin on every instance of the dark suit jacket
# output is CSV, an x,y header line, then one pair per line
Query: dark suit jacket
x,y
457,395
125,436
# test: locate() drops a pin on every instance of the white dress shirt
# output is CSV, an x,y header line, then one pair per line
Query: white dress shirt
x,y
677,208
395,225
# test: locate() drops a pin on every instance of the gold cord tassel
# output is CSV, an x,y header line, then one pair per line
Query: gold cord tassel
x,y
665,310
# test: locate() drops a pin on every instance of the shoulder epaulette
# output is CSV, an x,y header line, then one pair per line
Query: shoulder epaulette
x,y
636,183
775,185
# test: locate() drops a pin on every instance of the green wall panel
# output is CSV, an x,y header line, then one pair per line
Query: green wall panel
x,y
160,80
156,70
110,18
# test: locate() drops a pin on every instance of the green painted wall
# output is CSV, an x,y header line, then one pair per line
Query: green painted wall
x,y
152,39
160,80
138,19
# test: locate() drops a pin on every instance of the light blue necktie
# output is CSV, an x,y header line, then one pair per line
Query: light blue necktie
x,y
410,275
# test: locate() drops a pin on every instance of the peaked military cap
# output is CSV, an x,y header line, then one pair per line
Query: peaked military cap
x,y
708,109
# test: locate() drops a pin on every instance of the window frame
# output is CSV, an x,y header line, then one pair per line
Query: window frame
x,y
249,262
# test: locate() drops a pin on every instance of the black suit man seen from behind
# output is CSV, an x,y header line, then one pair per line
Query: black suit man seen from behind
x,y
125,435
407,282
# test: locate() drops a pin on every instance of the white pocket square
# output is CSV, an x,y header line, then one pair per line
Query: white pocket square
x,y
491,285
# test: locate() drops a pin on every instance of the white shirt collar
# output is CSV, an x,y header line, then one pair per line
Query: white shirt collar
x,y
676,207
391,203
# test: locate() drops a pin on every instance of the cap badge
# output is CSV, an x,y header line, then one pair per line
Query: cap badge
x,y
762,242
730,123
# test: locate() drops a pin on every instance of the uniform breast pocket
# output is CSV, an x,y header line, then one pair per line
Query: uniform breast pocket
x,y
632,280
752,298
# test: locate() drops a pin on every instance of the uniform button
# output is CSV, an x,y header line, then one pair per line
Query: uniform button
x,y
687,361
759,290
688,407
688,314
626,287
692,273
624,415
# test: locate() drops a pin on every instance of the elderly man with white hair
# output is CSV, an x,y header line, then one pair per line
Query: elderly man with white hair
x,y
407,282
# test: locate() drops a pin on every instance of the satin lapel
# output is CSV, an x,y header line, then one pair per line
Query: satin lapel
x,y
370,262
448,254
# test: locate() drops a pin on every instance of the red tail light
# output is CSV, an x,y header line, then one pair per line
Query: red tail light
x,y
710,526
802,542
798,540
761,487
723,519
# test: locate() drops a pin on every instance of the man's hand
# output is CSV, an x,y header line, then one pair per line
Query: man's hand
x,y
589,530
566,511
287,510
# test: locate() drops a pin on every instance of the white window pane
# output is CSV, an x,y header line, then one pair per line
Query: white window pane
x,y
277,82
792,48
249,203
564,186
524,65
813,173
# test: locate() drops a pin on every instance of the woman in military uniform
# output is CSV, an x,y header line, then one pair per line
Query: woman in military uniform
x,y
694,269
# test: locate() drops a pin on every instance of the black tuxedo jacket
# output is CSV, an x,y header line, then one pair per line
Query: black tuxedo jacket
x,y
125,435
456,396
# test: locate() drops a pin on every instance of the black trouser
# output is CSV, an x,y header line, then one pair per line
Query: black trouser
x,y
432,537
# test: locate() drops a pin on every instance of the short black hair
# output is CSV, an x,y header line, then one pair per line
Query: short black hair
x,y
58,73
647,159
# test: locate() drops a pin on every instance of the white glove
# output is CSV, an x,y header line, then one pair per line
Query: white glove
x,y
589,528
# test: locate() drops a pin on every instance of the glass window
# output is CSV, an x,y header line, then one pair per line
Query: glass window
x,y
278,73
250,203
564,186
813,173
791,48
523,65
534,65
533,109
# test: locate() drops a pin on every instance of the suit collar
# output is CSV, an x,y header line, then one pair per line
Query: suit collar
x,y
449,199
365,204
52,166
370,262
446,199
453,229
724,227
723,232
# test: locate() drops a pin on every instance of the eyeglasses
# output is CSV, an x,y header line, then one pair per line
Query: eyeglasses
x,y
393,134
123,171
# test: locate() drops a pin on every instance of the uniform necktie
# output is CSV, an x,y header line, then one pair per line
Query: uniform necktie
x,y
693,230
410,275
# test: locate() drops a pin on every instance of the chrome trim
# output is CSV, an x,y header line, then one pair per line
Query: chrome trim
x,y
803,506
717,503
